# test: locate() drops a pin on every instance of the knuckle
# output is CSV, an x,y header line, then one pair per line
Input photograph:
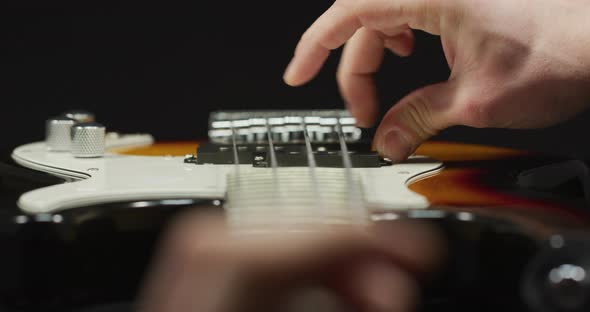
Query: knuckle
x,y
373,14
418,114
327,35
329,40
307,36
423,15
326,38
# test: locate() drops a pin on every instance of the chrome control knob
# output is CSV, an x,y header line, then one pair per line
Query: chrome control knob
x,y
58,133
88,140
80,115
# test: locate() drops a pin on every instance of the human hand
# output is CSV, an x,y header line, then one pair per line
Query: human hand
x,y
514,63
203,267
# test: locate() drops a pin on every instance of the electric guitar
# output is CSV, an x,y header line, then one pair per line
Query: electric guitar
x,y
91,227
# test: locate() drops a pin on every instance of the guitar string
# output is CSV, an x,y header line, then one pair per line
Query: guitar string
x,y
273,156
235,149
237,178
276,194
355,201
312,165
356,204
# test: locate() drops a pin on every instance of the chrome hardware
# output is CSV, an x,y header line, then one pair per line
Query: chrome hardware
x,y
88,140
286,126
58,133
80,115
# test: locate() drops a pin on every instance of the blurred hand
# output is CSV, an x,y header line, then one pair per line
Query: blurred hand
x,y
204,267
514,63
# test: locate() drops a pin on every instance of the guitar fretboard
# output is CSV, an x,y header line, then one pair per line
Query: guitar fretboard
x,y
288,185
259,198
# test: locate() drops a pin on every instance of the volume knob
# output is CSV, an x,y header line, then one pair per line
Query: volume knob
x,y
58,133
88,140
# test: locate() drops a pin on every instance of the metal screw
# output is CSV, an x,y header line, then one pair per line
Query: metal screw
x,y
190,159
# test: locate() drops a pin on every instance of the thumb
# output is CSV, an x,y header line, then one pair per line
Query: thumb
x,y
415,118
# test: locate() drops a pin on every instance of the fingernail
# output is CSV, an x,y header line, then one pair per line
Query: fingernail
x,y
394,146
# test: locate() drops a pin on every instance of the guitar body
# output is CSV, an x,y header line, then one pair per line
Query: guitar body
x,y
89,241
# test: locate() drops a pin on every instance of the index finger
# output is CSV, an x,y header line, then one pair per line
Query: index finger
x,y
337,25
331,30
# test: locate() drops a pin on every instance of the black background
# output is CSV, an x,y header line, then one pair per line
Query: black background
x,y
162,67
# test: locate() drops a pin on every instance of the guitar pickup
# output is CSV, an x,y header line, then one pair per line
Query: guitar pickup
x,y
322,159
289,155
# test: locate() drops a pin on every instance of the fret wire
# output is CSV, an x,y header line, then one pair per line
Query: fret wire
x,y
355,201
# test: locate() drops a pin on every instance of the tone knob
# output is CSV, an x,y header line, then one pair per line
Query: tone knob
x,y
58,135
88,140
80,115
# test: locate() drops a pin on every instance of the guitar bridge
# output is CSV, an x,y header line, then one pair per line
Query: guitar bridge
x,y
283,127
252,132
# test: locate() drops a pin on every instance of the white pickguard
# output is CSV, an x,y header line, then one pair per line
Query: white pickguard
x,y
116,178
